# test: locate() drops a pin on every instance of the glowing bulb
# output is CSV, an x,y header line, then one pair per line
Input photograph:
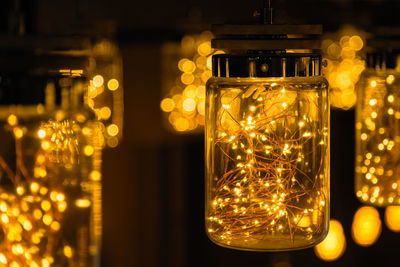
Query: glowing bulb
x,y
98,80
390,79
12,120
68,251
95,176
167,105
82,203
392,218
88,150
334,244
105,113
113,84
188,66
366,226
41,133
112,129
189,104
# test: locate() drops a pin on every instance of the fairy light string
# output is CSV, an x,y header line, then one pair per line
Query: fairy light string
x,y
33,198
273,158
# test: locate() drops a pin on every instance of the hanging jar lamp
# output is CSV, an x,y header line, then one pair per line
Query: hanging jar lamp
x,y
377,179
267,138
50,186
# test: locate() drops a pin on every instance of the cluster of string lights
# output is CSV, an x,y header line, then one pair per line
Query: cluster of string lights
x,y
96,93
266,185
343,54
185,101
377,158
34,203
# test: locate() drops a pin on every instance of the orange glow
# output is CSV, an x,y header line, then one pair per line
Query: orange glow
x,y
112,130
187,78
366,227
344,66
392,218
167,105
98,80
189,105
181,124
334,245
188,66
204,49
113,84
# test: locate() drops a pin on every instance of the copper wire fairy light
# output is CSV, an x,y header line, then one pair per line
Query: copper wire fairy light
x,y
266,172
32,214
267,137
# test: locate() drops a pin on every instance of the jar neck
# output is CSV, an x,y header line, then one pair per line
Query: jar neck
x,y
266,64
383,60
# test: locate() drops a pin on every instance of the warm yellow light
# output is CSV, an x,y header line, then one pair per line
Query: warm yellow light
x,y
167,105
46,205
41,133
20,190
187,78
113,84
37,213
204,49
4,218
188,66
95,176
366,226
12,120
18,132
112,141
390,79
34,187
181,62
334,245
3,258
82,203
112,129
60,197
88,150
14,264
27,225
105,113
392,218
55,226
45,145
68,251
356,42
189,104
181,124
62,206
98,80
373,83
47,219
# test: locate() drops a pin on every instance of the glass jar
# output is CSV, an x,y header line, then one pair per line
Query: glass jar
x,y
267,150
377,179
50,146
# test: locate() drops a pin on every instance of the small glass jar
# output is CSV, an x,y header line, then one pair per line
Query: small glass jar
x,y
50,147
377,179
267,151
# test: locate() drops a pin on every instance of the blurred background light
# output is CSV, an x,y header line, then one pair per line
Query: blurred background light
x,y
343,52
366,227
334,245
186,69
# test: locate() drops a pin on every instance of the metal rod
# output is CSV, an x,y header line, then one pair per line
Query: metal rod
x,y
266,14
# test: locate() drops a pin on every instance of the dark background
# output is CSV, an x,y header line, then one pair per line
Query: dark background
x,y
153,187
